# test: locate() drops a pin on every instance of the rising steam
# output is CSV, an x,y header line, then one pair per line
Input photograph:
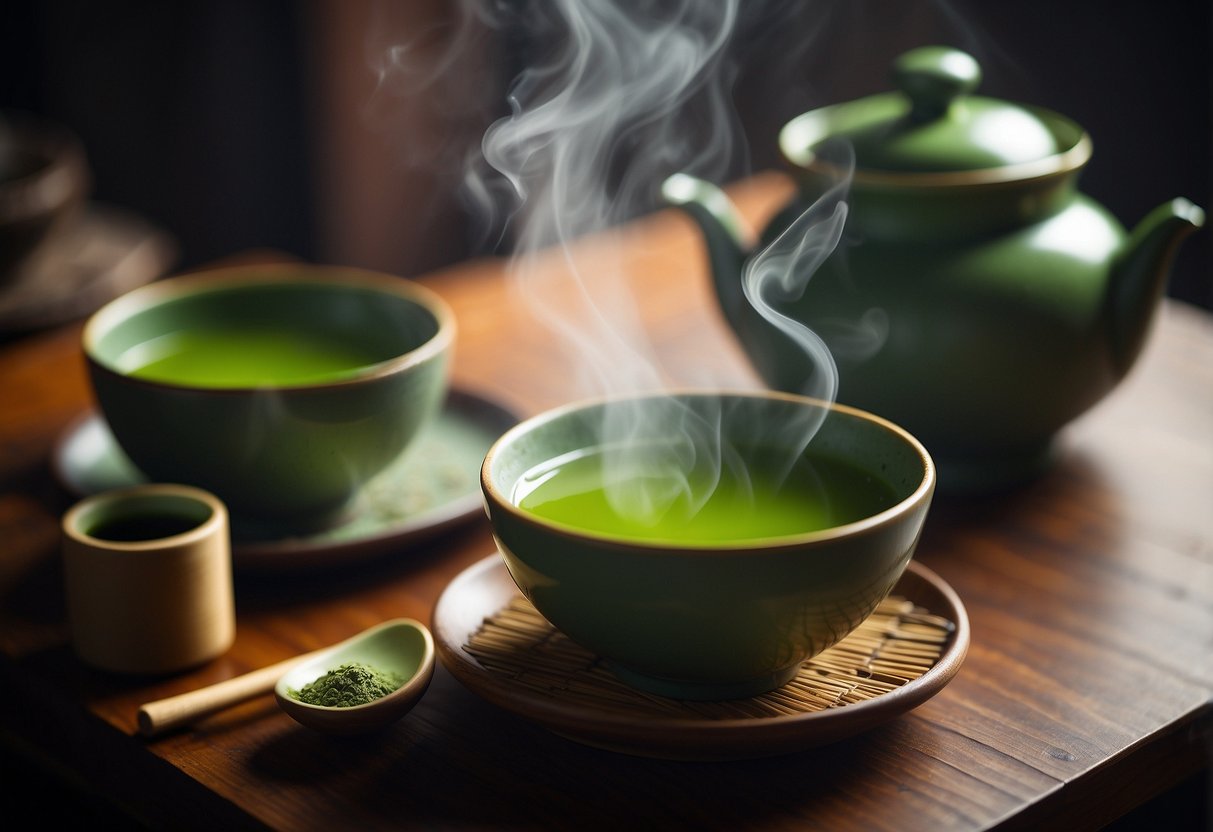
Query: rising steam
x,y
621,95
779,274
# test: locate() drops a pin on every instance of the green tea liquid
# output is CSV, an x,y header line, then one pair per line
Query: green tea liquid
x,y
244,357
818,493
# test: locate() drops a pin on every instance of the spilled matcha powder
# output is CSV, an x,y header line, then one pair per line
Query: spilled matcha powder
x,y
348,685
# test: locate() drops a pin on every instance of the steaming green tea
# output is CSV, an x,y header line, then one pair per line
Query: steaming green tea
x,y
817,493
138,527
232,356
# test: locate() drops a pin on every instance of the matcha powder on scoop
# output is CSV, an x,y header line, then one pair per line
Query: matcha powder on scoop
x,y
348,685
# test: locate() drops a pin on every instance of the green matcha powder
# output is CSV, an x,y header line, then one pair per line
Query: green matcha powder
x,y
348,685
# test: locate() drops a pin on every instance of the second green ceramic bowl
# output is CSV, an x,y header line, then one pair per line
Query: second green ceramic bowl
x,y
291,453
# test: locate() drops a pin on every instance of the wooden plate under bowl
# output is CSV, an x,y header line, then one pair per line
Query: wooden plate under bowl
x,y
497,646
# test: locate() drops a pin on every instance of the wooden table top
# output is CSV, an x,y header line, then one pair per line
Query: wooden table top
x,y
1085,692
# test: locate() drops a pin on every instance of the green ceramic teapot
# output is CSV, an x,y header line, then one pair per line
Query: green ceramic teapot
x,y
972,294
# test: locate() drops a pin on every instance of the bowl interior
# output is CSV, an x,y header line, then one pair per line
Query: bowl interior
x,y
861,464
286,330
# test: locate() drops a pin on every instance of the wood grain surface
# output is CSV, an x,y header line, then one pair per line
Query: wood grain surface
x,y
1086,690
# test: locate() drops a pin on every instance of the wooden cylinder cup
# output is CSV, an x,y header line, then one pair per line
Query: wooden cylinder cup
x,y
148,578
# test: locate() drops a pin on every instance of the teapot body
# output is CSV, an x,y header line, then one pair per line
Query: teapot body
x,y
982,346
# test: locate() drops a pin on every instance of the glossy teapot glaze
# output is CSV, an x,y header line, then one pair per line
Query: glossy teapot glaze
x,y
998,301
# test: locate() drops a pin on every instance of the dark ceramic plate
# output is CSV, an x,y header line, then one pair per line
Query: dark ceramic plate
x,y
485,588
101,254
434,486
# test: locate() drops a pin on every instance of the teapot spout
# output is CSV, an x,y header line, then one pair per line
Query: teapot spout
x,y
1140,272
724,233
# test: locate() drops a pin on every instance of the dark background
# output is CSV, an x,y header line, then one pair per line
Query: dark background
x,y
240,125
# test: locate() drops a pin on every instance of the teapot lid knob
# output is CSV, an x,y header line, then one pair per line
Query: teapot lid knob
x,y
933,77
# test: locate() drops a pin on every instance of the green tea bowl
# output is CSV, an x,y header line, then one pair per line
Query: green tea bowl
x,y
705,544
280,388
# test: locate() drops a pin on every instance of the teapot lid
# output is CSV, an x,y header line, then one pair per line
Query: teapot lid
x,y
934,123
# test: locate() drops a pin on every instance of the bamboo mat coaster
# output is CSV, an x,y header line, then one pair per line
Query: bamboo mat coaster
x,y
897,643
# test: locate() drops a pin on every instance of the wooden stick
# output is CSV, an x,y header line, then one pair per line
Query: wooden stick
x,y
174,711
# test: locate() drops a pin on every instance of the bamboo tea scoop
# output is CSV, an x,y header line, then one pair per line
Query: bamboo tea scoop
x,y
401,646
175,711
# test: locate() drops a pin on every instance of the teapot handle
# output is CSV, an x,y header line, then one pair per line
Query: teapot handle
x,y
933,77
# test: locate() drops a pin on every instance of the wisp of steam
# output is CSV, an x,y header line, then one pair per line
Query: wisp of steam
x,y
622,95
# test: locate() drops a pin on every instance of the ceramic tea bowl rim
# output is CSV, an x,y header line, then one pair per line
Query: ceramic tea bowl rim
x,y
923,492
137,493
222,278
